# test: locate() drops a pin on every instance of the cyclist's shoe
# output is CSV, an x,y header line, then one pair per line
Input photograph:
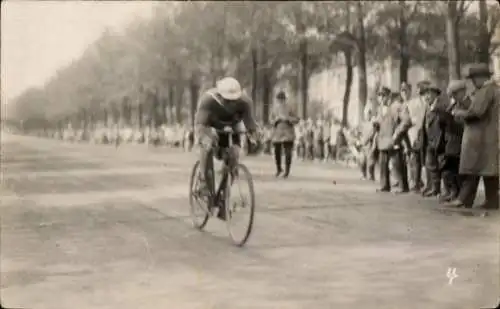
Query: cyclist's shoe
x,y
222,213
204,192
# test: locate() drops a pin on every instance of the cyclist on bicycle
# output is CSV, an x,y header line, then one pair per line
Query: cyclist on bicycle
x,y
223,106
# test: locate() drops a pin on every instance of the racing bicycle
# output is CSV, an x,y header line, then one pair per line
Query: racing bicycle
x,y
220,197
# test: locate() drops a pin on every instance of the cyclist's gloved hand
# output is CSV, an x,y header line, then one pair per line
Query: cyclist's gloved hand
x,y
254,137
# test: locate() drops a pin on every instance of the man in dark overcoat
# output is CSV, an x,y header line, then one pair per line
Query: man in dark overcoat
x,y
453,131
479,152
433,138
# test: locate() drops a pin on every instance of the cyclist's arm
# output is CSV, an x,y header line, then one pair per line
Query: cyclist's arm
x,y
203,120
248,119
203,113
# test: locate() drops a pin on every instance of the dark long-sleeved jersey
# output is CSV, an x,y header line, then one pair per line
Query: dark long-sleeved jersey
x,y
214,112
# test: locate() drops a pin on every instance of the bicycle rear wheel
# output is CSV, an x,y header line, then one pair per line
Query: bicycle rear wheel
x,y
197,202
239,207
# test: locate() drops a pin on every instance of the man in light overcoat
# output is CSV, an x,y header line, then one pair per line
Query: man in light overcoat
x,y
393,122
283,120
416,110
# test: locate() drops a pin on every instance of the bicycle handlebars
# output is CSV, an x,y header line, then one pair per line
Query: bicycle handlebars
x,y
229,130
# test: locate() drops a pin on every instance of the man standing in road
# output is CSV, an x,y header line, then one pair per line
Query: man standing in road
x,y
283,135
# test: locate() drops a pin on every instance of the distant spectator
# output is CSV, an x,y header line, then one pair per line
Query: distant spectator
x,y
283,120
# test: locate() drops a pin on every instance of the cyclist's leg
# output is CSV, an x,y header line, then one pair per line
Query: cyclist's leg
x,y
235,152
206,141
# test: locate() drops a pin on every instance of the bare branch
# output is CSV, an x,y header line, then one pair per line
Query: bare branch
x,y
462,8
416,5
493,22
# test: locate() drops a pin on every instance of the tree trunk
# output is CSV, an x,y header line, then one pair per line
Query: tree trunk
x,y
348,85
171,103
347,51
255,67
126,111
484,36
362,75
115,113
92,120
451,40
85,120
266,94
164,106
194,90
105,117
404,56
457,39
140,110
213,69
179,102
304,77
155,109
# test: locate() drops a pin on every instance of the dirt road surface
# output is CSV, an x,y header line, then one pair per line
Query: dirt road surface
x,y
88,226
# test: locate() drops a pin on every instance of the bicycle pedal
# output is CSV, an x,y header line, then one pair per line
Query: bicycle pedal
x,y
214,211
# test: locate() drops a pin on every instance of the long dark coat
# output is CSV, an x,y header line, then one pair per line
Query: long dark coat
x,y
479,152
434,126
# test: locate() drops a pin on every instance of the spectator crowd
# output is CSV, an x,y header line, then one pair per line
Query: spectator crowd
x,y
432,141
449,136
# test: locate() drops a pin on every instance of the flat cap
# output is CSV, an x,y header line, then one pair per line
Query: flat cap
x,y
431,85
384,91
455,85
396,96
476,69
405,86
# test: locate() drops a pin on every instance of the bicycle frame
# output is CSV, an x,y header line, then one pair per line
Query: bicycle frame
x,y
219,195
226,168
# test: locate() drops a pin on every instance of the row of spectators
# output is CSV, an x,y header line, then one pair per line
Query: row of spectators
x,y
452,135
315,140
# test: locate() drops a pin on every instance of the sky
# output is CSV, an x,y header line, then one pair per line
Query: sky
x,y
39,37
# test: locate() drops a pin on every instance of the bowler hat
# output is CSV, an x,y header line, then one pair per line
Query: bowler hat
x,y
281,95
455,85
396,96
476,69
422,86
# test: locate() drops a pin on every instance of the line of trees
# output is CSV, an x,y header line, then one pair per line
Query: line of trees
x,y
153,72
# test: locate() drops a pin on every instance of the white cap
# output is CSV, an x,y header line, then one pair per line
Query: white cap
x,y
229,88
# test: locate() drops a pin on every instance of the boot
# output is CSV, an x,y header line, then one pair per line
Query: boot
x,y
456,203
371,172
288,164
431,193
435,186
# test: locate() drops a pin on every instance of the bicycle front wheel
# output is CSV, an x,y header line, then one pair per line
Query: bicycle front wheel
x,y
240,205
197,202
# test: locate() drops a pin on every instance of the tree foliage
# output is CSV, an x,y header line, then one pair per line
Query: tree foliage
x,y
158,67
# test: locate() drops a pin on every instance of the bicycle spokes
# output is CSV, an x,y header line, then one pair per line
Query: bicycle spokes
x,y
198,200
